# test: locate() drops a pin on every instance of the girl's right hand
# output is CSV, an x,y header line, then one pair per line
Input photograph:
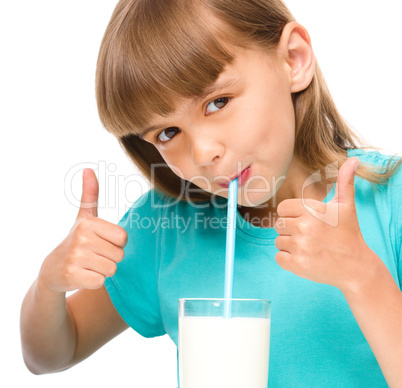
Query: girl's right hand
x,y
91,250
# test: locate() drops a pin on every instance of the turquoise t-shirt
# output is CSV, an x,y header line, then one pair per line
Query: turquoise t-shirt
x,y
177,250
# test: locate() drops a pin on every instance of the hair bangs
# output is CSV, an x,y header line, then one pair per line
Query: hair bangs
x,y
161,51
156,52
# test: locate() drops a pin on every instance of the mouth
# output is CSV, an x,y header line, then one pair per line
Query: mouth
x,y
241,178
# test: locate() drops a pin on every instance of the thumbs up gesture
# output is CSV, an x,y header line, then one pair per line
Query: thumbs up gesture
x,y
91,250
320,241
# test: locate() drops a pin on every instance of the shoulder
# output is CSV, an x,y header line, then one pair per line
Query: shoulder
x,y
377,159
155,205
381,202
149,205
373,157
386,197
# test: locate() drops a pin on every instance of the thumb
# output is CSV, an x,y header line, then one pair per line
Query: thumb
x,y
345,185
90,192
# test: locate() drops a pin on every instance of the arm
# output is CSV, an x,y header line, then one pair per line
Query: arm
x,y
59,332
376,304
325,245
56,332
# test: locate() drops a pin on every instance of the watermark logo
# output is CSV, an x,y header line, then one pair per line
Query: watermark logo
x,y
118,191
327,213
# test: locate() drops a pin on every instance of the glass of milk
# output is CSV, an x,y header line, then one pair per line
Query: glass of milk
x,y
217,351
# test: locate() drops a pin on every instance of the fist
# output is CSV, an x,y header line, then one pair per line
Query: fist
x,y
91,250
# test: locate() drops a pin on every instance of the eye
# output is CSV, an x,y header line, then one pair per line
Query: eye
x,y
167,134
217,104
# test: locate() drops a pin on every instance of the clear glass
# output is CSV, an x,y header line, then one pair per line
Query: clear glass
x,y
216,351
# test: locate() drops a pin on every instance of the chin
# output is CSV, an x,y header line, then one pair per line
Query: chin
x,y
254,199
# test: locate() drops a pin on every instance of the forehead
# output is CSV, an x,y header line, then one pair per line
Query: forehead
x,y
145,76
141,75
243,68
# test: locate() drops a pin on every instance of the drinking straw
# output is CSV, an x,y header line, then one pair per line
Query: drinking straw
x,y
230,247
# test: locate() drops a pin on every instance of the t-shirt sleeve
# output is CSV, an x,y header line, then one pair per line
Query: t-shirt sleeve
x,y
396,208
133,289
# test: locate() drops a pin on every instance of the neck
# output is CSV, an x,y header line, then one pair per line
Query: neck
x,y
298,184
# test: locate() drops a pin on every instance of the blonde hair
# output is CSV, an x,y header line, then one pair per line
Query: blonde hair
x,y
155,52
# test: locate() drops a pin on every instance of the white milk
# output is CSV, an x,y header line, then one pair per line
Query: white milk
x,y
217,352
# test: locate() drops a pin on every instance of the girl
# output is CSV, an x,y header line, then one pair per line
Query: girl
x,y
198,93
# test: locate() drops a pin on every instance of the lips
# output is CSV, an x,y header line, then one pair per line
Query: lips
x,y
241,178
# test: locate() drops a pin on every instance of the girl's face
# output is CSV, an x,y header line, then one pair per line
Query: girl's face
x,y
244,127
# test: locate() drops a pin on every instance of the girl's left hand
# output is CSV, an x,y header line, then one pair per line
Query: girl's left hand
x,y
322,242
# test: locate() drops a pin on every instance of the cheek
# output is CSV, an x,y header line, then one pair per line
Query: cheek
x,y
268,123
181,164
279,130
280,113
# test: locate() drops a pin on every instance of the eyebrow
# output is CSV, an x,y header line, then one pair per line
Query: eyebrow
x,y
215,87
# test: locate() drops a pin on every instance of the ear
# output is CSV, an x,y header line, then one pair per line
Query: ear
x,y
295,48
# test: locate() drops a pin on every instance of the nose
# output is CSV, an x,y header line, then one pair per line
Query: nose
x,y
205,150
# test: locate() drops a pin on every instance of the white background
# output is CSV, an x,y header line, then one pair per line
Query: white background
x,y
50,130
